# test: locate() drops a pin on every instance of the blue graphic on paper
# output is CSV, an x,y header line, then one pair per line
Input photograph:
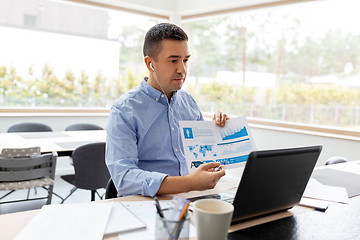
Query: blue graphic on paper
x,y
233,133
232,160
206,151
223,161
188,134
239,148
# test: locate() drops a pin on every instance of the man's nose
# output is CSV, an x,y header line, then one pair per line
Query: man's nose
x,y
182,67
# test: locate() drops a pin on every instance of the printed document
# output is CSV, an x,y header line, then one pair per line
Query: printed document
x,y
68,221
204,142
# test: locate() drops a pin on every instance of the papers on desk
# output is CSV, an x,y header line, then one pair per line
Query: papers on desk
x,y
90,221
68,221
122,220
316,190
318,195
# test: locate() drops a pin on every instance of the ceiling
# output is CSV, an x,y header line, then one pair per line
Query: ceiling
x,y
186,9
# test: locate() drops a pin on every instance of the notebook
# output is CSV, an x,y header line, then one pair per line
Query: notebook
x,y
273,180
121,220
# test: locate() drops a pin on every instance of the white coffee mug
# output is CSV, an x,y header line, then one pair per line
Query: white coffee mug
x,y
212,218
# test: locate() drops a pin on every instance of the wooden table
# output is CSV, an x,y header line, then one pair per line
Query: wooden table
x,y
62,142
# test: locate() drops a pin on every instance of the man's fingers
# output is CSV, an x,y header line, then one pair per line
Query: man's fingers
x,y
210,165
217,116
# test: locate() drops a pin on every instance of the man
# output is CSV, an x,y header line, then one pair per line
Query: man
x,y
143,149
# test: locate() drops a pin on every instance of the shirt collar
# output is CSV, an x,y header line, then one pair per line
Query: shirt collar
x,y
154,93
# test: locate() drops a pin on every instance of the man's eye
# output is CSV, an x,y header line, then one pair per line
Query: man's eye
x,y
185,60
173,61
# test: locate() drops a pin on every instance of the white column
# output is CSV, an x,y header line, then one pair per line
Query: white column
x,y
175,19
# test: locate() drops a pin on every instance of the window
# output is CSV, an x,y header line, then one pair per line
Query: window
x,y
29,21
65,54
296,63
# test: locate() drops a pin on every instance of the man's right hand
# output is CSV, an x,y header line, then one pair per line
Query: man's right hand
x,y
205,177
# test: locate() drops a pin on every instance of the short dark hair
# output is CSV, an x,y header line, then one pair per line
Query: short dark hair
x,y
152,43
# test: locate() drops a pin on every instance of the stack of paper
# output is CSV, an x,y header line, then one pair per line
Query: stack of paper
x,y
90,221
318,195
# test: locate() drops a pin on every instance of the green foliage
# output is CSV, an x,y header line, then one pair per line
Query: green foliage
x,y
69,91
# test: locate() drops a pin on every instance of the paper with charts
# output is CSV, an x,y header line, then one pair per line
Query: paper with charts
x,y
204,142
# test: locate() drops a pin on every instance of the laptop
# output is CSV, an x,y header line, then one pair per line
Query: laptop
x,y
273,181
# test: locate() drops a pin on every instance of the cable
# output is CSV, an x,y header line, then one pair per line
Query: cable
x,y
172,112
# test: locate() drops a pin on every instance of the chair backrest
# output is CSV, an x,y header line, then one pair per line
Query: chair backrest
x,y
29,127
83,127
27,168
20,152
335,160
91,172
111,191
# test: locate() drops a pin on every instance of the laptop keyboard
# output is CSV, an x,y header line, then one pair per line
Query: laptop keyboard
x,y
228,196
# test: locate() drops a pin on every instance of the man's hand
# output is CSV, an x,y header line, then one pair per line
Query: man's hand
x,y
203,178
220,118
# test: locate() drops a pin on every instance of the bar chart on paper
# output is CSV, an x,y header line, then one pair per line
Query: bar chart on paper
x,y
206,142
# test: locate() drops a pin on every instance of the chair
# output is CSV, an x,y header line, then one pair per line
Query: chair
x,y
111,191
83,127
29,127
335,160
26,169
91,172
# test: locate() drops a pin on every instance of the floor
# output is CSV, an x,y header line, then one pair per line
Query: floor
x,y
61,187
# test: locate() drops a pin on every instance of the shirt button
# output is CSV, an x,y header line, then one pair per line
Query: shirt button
x,y
162,95
173,129
175,149
157,99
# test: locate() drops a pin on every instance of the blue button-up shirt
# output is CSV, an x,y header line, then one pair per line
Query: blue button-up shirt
x,y
143,143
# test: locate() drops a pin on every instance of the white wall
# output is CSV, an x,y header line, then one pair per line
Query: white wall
x,y
270,139
189,7
182,7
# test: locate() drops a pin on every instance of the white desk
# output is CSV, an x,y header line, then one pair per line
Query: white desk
x,y
62,142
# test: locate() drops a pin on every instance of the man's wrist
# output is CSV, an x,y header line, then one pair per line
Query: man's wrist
x,y
188,183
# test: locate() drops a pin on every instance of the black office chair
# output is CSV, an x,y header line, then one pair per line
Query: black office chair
x,y
91,172
335,160
29,127
111,191
83,127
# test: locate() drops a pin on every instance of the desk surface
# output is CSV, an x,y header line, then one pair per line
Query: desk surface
x,y
339,221
62,142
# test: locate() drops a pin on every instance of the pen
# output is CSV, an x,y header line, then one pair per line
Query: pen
x,y
161,214
177,229
185,208
158,208
219,167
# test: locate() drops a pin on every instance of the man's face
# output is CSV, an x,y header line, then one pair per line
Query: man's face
x,y
171,66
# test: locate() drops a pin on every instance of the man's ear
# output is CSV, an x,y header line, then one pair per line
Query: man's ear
x,y
148,61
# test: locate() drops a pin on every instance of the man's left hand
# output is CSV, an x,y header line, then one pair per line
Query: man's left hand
x,y
220,118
